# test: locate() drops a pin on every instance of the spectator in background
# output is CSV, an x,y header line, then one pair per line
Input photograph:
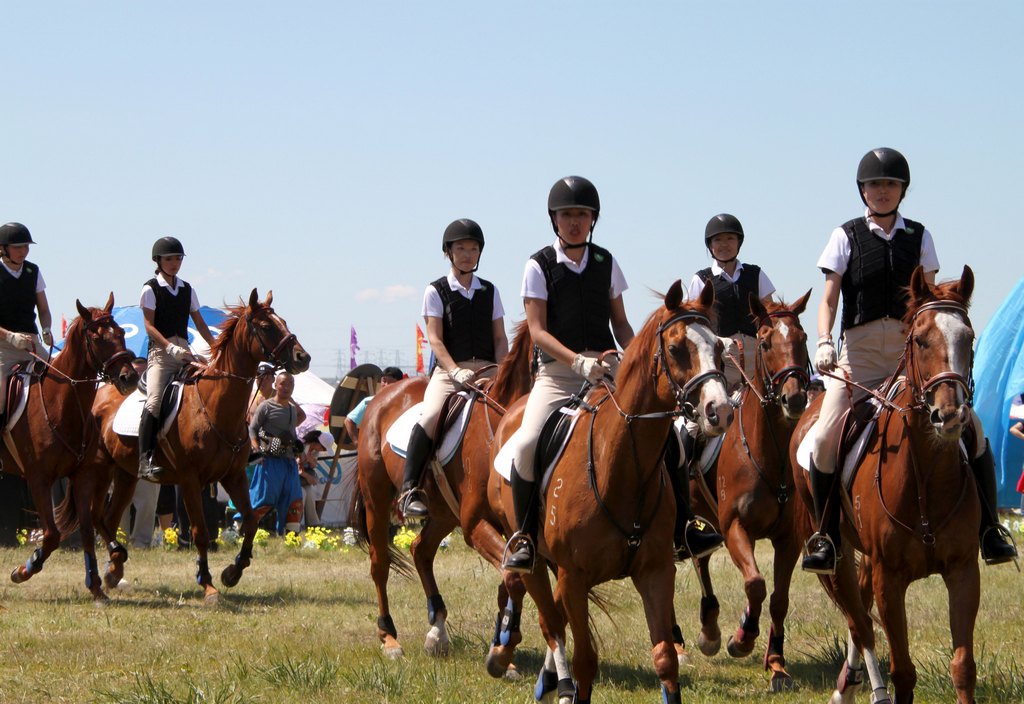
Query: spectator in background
x,y
314,444
389,376
275,483
815,388
1017,431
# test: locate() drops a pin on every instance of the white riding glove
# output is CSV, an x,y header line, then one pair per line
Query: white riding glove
x,y
590,368
178,352
20,340
825,359
461,376
47,337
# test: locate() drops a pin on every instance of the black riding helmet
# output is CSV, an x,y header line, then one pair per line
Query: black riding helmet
x,y
462,229
721,224
14,233
574,192
883,164
167,246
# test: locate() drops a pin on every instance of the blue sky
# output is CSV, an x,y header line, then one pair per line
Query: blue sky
x,y
319,149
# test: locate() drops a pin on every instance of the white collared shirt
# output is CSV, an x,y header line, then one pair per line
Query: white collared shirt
x,y
147,299
40,284
765,287
535,286
433,307
836,256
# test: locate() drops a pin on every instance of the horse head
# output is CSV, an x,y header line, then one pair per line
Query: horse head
x,y
781,354
268,336
105,351
688,359
939,352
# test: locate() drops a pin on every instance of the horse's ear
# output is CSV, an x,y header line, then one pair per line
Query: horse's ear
x,y
800,305
83,311
674,297
707,294
918,286
110,303
254,299
269,299
757,310
965,287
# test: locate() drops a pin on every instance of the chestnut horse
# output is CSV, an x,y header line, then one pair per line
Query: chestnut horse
x,y
608,510
748,492
380,474
208,441
55,433
913,509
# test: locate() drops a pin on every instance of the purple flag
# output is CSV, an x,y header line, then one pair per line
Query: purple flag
x,y
353,347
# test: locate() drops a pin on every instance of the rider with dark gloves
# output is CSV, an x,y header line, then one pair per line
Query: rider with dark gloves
x,y
572,292
869,260
466,328
167,304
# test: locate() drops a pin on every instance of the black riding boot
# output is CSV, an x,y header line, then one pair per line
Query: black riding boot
x,y
147,444
823,547
413,500
520,553
693,537
996,546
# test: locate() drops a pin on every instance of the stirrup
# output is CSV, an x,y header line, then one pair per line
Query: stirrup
x,y
814,544
703,527
1008,540
521,541
151,472
408,498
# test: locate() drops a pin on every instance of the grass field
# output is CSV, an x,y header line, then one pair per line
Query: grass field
x,y
300,627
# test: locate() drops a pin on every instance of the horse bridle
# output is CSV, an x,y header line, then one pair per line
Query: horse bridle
x,y
271,354
920,387
773,382
683,393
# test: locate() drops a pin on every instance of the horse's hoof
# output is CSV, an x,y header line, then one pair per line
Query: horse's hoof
x,y
100,600
738,648
782,682
230,576
512,674
436,645
212,597
123,586
393,653
707,646
683,656
497,662
16,576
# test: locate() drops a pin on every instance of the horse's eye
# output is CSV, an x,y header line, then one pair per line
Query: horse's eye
x,y
673,350
920,342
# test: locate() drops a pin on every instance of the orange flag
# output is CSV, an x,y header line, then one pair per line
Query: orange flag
x,y
419,350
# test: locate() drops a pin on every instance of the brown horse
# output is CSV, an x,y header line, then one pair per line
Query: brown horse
x,y
749,489
208,441
913,509
380,474
608,512
55,434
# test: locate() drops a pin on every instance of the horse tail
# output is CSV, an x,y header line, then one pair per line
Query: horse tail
x,y
65,514
399,562
515,376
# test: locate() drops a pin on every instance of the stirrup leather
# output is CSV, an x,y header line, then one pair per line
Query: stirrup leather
x,y
519,540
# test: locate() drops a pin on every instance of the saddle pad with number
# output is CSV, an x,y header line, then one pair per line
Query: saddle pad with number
x,y
129,413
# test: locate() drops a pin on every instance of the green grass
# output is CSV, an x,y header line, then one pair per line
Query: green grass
x,y
300,627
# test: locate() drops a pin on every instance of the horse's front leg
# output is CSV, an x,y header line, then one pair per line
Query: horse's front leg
x,y
424,550
741,549
571,594
190,492
709,640
41,489
555,677
787,552
656,586
963,586
82,484
236,484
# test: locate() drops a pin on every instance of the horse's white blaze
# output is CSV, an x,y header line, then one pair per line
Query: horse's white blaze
x,y
704,340
783,330
958,348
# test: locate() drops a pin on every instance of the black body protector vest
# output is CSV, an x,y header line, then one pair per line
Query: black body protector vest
x,y
468,322
874,284
18,299
579,309
731,302
172,312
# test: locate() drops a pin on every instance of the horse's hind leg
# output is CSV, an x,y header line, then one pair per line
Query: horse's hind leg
x,y
82,491
963,586
424,550
378,494
190,493
41,496
236,485
709,640
117,553
787,552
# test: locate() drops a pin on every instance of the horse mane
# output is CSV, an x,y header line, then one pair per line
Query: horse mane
x,y
227,328
638,357
513,378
